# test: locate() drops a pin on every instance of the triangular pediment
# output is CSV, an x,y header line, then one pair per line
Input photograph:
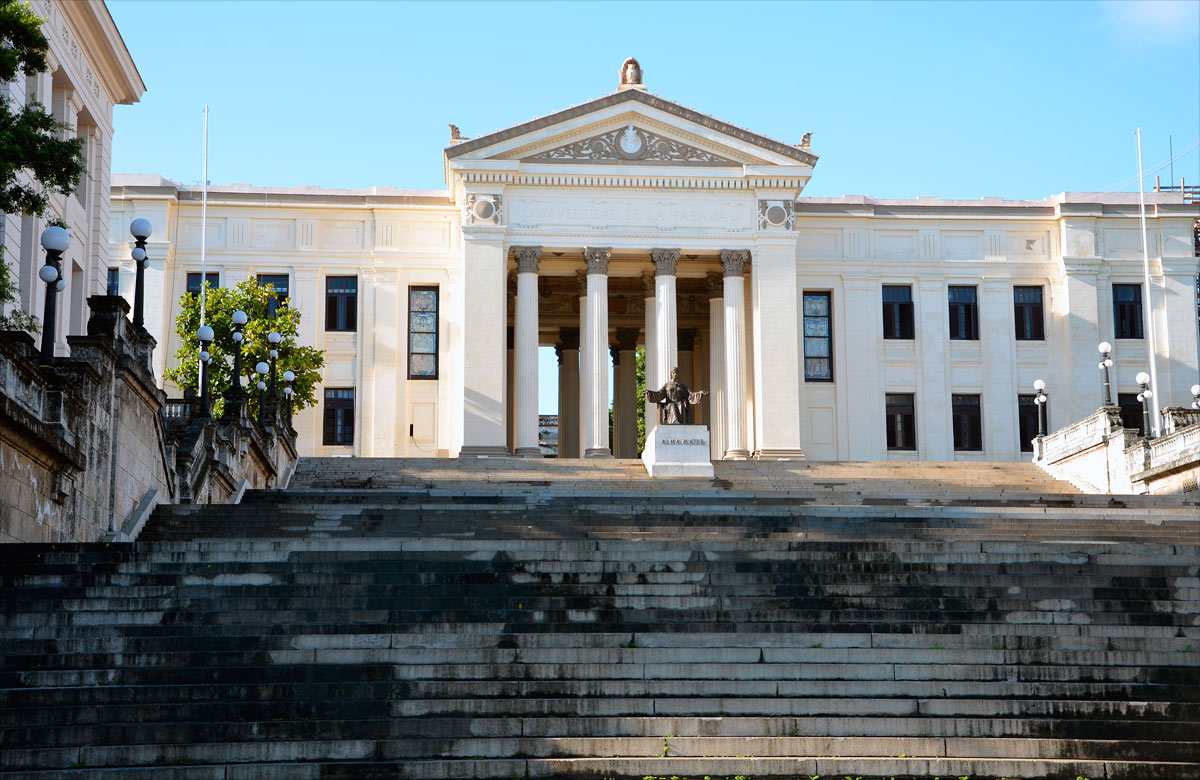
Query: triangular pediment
x,y
628,128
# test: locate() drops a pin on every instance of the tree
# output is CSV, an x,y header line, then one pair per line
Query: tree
x,y
640,373
32,142
220,304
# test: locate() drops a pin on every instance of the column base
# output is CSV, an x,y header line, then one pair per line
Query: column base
x,y
484,451
597,453
779,454
528,452
736,455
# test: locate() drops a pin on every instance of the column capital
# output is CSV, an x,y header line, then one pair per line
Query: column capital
x,y
568,338
647,285
715,285
733,261
627,338
597,259
527,258
665,261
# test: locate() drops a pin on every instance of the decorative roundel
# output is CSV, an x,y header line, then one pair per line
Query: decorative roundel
x,y
776,214
484,209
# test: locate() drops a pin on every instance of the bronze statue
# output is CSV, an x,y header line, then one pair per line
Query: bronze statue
x,y
675,401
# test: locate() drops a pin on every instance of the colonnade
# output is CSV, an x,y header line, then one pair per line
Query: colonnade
x,y
583,354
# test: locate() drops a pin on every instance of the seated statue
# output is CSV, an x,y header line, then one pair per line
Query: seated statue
x,y
675,401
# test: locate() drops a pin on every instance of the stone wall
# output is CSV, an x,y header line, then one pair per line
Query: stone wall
x,y
80,447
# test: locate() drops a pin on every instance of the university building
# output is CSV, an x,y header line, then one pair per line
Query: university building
x,y
846,328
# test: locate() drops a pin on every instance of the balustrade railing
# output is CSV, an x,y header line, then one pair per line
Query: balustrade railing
x,y
181,409
1080,435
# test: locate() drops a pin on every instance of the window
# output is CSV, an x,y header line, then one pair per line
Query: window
x,y
964,314
897,311
280,283
193,282
1131,412
1027,421
968,428
1127,311
1027,312
114,282
422,333
901,422
339,416
341,303
817,364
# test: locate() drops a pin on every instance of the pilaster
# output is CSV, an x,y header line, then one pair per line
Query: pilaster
x,y
777,353
484,348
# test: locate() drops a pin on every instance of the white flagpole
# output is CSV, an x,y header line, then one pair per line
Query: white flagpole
x,y
1147,300
204,223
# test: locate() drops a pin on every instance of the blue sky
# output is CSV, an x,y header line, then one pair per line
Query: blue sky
x,y
957,100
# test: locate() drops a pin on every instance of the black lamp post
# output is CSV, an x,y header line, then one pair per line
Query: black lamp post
x,y
1105,364
1041,399
239,321
288,392
55,241
141,229
274,338
261,369
1143,379
205,335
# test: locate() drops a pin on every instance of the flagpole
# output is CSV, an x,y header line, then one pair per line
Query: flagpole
x,y
1147,299
204,223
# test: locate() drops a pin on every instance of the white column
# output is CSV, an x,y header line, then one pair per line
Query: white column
x,y
585,395
595,374
777,353
484,349
651,350
625,386
716,365
733,263
526,337
1178,351
568,393
665,320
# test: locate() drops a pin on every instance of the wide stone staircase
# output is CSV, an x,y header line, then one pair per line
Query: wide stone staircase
x,y
500,618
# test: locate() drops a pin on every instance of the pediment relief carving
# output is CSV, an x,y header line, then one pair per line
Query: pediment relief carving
x,y
630,144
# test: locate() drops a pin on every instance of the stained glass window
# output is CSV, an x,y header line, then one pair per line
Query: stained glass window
x,y
422,333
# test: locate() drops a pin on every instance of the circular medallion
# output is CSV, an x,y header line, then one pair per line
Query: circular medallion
x,y
776,215
630,141
484,209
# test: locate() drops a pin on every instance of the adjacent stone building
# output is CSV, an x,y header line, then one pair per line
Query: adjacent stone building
x,y
827,328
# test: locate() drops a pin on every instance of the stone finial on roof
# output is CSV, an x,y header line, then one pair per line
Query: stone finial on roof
x,y
631,75
806,142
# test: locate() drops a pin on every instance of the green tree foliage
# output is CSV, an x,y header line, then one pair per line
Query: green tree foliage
x,y
31,141
641,394
220,304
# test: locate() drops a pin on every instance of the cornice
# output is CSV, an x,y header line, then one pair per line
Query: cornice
x,y
104,48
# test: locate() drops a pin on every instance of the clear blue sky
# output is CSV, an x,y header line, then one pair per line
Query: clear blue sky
x,y
957,100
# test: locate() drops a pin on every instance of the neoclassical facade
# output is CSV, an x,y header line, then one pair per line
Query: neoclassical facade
x,y
89,71
829,328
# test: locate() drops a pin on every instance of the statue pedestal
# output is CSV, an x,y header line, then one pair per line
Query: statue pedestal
x,y
678,451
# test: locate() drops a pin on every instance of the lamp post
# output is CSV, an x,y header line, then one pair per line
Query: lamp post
x,y
141,229
1105,364
205,335
1196,396
1041,399
239,321
288,392
274,338
261,369
1143,379
55,241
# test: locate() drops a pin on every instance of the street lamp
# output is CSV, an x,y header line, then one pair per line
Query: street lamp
x,y
239,321
274,338
1196,396
261,369
1143,379
141,229
1041,399
205,335
289,377
55,241
1105,364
